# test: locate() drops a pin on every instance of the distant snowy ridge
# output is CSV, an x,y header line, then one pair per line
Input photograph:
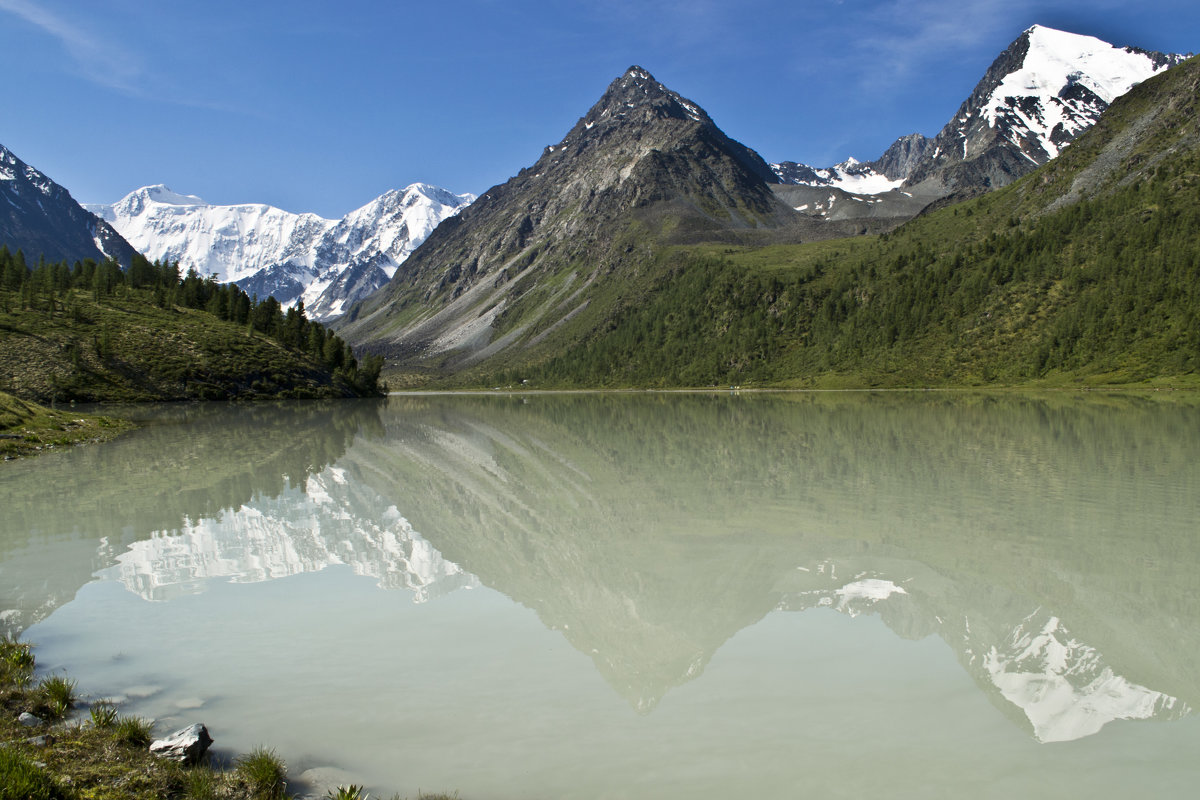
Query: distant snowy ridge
x,y
265,250
851,176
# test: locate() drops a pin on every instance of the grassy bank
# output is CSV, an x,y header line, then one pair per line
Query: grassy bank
x,y
28,428
104,755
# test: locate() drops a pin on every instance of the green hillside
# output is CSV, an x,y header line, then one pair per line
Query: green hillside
x,y
1085,271
92,332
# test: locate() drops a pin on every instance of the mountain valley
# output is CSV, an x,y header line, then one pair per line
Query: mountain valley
x,y
647,248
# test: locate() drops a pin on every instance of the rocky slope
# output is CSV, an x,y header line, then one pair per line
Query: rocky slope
x,y
267,251
41,218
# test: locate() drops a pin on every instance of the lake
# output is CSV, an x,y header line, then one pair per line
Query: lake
x,y
916,595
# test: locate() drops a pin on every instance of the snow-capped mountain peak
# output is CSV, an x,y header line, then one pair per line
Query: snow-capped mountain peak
x,y
266,250
1046,89
1043,91
1067,73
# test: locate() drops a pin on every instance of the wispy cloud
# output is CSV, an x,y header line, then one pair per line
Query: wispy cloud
x,y
98,60
902,36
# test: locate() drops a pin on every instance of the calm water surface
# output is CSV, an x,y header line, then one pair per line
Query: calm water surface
x,y
640,596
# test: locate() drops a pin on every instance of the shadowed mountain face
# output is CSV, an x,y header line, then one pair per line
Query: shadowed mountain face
x,y
1048,542
42,219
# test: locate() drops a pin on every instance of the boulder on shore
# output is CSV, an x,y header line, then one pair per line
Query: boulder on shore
x,y
186,746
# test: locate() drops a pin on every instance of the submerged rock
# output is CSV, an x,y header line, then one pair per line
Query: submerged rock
x,y
186,746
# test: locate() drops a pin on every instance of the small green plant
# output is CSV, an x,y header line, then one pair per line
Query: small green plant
x,y
16,662
21,779
132,731
57,693
264,772
104,715
351,792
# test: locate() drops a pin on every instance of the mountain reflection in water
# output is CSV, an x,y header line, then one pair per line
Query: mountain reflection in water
x,y
1049,541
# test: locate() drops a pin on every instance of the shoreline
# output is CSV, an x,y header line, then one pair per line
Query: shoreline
x,y
57,745
29,429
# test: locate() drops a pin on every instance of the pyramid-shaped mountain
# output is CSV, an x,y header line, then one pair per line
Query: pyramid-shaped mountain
x,y
643,167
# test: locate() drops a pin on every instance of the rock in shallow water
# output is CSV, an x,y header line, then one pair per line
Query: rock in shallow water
x,y
186,746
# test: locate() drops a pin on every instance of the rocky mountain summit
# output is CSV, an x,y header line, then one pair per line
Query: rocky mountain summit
x,y
42,219
267,251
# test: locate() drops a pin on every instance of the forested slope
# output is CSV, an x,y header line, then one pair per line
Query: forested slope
x,y
93,332
1087,270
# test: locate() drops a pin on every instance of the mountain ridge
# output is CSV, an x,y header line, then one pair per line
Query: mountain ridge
x,y
1083,272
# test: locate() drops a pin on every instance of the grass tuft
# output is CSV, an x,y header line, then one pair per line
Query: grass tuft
x,y
57,695
104,715
16,662
201,784
132,731
264,772
351,792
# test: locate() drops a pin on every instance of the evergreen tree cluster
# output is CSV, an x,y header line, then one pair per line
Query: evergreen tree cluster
x,y
50,287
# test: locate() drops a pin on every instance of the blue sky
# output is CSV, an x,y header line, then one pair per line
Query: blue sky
x,y
322,106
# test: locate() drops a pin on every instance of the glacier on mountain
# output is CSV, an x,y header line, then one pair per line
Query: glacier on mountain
x,y
325,263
